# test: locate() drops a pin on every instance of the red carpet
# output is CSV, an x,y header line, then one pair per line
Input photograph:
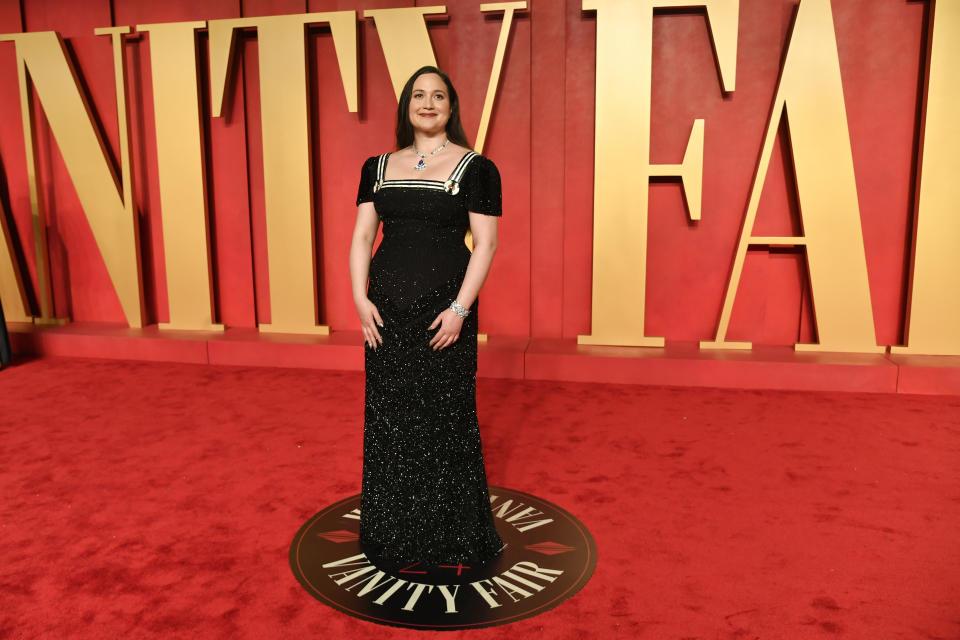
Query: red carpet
x,y
146,500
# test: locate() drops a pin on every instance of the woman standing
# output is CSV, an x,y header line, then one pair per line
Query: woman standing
x,y
424,488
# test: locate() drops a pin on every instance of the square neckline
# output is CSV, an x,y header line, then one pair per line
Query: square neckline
x,y
456,166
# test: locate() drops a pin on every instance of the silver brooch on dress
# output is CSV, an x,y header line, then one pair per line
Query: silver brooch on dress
x,y
452,187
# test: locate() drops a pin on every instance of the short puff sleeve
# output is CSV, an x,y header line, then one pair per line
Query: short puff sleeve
x,y
368,176
483,187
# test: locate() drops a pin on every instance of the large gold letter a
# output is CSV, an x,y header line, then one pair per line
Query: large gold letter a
x,y
811,95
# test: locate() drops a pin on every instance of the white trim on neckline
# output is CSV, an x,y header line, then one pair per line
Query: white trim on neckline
x,y
451,185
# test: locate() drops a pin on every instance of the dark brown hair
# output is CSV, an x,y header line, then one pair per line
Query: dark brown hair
x,y
405,127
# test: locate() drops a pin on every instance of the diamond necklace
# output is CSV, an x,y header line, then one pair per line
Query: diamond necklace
x,y
420,166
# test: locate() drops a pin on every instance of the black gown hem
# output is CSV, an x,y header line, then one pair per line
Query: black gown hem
x,y
381,556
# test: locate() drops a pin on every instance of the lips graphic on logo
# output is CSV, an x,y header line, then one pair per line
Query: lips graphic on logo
x,y
339,536
549,548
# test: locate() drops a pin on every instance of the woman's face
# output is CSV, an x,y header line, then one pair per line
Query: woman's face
x,y
429,104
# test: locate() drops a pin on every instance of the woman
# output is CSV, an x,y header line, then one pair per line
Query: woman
x,y
424,489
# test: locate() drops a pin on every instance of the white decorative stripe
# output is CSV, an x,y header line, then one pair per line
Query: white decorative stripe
x,y
451,185
422,184
382,166
457,174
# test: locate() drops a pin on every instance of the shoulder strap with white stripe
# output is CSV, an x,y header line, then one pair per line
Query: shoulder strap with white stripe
x,y
381,170
452,185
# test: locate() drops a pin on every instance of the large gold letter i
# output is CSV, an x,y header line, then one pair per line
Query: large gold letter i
x,y
183,201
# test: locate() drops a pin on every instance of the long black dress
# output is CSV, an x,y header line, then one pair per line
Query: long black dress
x,y
424,489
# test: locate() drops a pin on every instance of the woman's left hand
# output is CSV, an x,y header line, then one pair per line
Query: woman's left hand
x,y
450,325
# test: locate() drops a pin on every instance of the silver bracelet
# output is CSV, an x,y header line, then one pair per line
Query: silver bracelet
x,y
459,309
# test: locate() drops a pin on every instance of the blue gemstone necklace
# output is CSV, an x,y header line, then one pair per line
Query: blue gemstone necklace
x,y
420,166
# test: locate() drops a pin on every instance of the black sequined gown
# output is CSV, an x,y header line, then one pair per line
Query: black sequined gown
x,y
424,488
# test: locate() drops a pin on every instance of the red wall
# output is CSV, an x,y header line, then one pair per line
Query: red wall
x,y
541,137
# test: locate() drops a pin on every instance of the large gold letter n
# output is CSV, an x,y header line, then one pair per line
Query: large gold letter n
x,y
107,203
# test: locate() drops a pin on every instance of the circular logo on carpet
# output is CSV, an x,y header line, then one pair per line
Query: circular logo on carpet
x,y
549,555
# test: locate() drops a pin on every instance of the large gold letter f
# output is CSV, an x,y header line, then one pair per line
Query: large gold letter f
x,y
622,167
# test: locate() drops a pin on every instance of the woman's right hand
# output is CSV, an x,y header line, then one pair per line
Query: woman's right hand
x,y
369,319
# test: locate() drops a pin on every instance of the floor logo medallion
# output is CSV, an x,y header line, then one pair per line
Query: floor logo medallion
x,y
549,556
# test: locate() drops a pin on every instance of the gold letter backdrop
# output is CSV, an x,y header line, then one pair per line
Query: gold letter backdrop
x,y
185,224
809,97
